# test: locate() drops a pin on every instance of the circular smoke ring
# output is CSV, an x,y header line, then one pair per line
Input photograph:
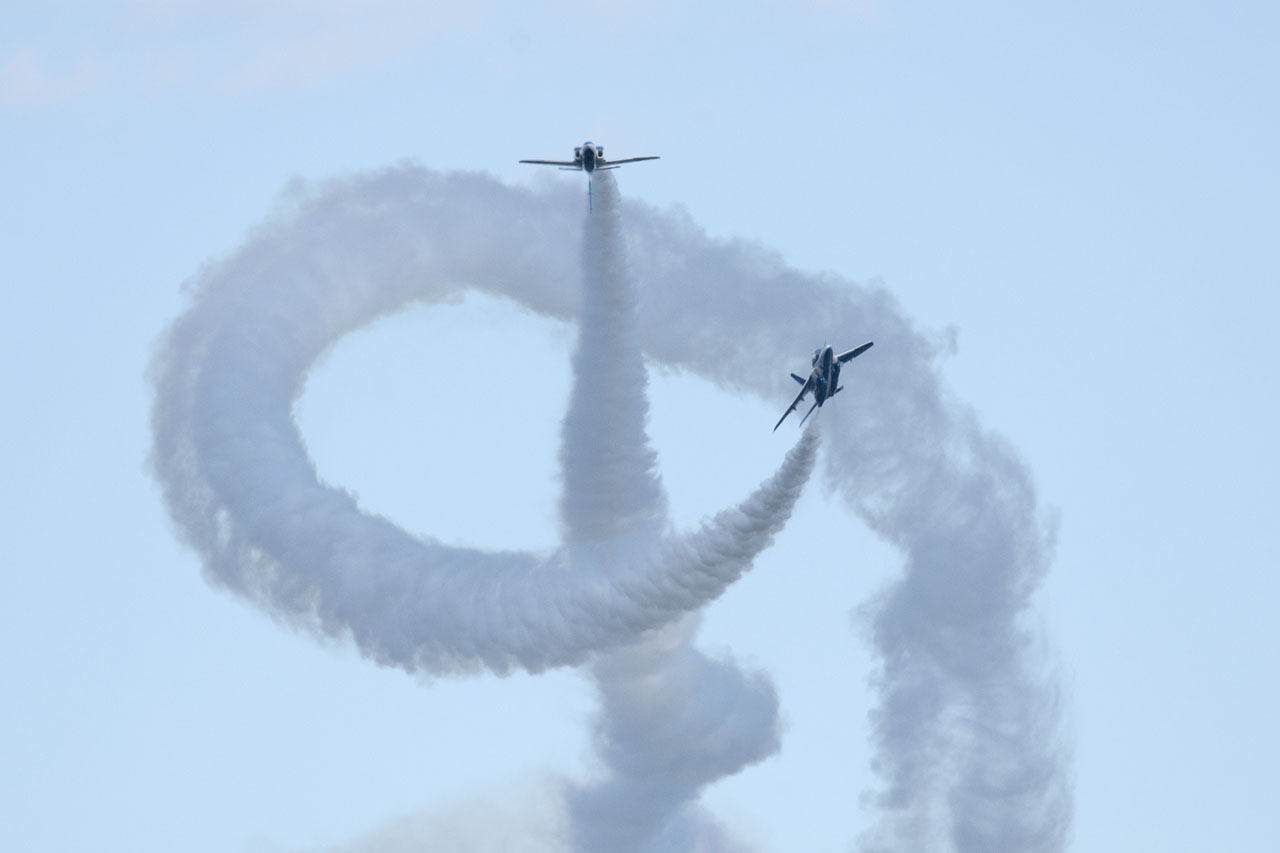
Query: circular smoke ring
x,y
246,495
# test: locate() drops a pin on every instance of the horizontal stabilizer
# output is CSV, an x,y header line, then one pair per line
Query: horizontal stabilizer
x,y
797,378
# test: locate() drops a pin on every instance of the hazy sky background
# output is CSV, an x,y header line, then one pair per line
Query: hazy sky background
x,y
1085,196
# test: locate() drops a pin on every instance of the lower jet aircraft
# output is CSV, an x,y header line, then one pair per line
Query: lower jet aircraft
x,y
588,157
824,381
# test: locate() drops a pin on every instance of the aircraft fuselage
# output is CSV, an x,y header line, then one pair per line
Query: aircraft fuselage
x,y
826,374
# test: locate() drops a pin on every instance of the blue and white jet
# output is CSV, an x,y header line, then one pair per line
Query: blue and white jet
x,y
824,381
588,157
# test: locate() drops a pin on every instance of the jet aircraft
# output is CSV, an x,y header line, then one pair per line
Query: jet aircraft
x,y
588,157
824,381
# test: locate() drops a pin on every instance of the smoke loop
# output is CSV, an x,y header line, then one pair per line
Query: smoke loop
x,y
965,734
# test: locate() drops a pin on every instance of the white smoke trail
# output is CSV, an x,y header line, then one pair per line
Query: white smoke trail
x,y
611,485
966,733
672,720
246,496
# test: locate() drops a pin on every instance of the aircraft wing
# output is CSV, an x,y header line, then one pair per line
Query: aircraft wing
x,y
854,353
628,160
794,403
554,163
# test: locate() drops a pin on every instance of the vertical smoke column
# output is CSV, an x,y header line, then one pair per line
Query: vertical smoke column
x,y
611,484
965,733
672,720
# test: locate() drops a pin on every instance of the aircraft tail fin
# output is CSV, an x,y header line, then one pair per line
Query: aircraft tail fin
x,y
797,378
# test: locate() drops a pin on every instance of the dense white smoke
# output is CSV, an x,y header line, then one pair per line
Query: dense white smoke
x,y
672,720
966,732
245,494
611,484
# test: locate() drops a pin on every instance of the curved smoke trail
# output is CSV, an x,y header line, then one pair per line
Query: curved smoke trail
x,y
245,494
966,730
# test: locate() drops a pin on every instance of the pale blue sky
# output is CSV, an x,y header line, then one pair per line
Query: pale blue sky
x,y
1085,193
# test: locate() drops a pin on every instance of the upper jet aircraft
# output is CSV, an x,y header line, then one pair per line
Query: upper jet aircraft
x,y
588,157
824,381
